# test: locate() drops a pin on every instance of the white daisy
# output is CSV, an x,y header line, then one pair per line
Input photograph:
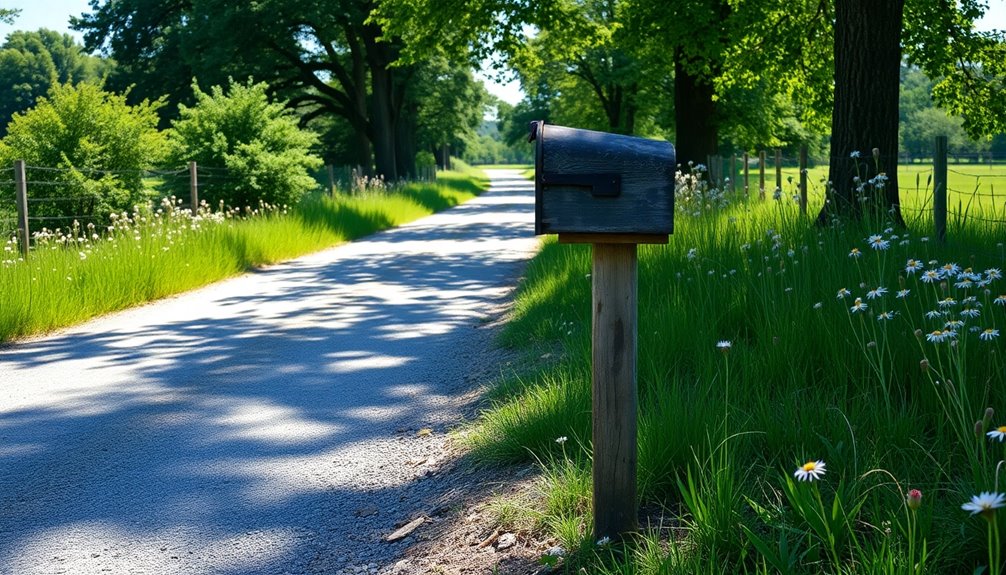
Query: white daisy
x,y
810,471
985,503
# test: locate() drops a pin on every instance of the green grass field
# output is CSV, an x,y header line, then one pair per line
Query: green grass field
x,y
835,348
73,276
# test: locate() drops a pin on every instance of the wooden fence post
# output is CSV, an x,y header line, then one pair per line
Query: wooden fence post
x,y
614,388
194,187
331,179
21,199
940,188
778,170
803,179
761,175
733,173
746,174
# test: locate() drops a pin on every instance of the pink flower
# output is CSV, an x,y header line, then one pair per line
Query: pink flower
x,y
914,499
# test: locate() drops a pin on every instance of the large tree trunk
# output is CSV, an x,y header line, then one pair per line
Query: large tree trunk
x,y
696,124
382,105
865,113
406,141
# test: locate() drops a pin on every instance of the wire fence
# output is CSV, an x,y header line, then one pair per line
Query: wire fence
x,y
38,198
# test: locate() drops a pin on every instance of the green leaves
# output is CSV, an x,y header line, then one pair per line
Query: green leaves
x,y
266,155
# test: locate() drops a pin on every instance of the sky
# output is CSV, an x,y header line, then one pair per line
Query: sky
x,y
55,15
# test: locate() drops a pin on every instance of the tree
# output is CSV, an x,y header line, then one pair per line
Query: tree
x,y
31,62
938,36
266,154
99,144
8,15
864,122
322,57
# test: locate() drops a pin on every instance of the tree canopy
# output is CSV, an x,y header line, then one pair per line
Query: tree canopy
x,y
32,62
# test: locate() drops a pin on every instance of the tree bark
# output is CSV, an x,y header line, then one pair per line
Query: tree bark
x,y
695,118
382,86
865,113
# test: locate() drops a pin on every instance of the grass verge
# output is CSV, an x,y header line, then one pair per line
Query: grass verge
x,y
74,275
767,344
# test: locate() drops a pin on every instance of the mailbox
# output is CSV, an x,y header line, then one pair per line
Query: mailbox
x,y
589,182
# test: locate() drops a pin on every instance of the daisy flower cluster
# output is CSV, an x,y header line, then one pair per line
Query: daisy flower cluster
x,y
952,299
167,220
693,195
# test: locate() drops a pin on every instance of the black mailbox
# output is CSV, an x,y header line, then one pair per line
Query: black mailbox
x,y
589,182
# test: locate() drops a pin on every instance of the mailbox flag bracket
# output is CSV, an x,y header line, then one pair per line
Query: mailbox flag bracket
x,y
600,185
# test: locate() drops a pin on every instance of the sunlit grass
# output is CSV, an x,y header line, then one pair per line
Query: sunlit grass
x,y
159,251
888,405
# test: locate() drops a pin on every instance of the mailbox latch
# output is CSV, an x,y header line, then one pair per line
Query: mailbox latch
x,y
600,185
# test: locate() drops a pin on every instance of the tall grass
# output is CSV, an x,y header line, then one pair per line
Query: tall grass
x,y
823,364
155,251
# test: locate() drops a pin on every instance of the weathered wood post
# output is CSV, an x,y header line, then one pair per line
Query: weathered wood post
x,y
940,188
761,175
613,192
21,200
747,191
778,170
331,179
803,179
733,173
615,400
194,187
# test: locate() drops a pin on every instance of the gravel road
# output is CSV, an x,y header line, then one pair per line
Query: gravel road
x,y
282,422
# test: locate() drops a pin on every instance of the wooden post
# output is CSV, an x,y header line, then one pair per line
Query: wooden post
x,y
803,179
614,388
331,179
733,173
21,197
761,175
194,187
746,169
940,188
778,170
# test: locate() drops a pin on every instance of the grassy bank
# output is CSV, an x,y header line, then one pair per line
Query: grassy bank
x,y
766,343
73,275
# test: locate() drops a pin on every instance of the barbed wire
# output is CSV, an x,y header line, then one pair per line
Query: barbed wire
x,y
65,199
52,218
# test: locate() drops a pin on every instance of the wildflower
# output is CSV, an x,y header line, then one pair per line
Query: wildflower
x,y
993,274
938,336
929,276
878,242
855,253
604,541
970,312
724,346
953,324
914,499
949,270
875,293
854,154
947,302
998,433
986,503
818,305
886,316
843,293
933,314
903,293
692,254
555,551
965,283
1001,300
988,335
912,266
561,440
858,306
810,471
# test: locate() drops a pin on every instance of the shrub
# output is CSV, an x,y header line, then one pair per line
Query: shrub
x,y
266,155
92,147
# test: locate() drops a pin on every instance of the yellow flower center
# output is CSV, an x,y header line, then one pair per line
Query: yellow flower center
x,y
1002,429
810,466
